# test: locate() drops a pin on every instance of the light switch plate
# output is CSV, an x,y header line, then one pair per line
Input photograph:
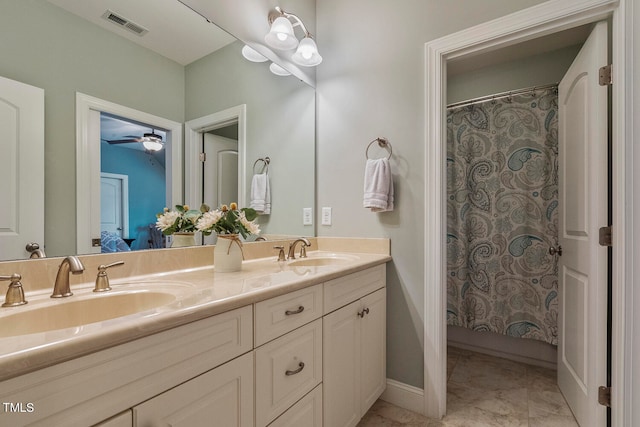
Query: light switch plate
x,y
307,216
326,216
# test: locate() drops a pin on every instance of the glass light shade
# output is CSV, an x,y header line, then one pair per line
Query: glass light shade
x,y
281,35
252,55
278,70
152,144
307,54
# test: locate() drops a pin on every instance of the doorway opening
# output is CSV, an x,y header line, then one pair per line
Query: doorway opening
x,y
89,114
133,184
542,20
215,150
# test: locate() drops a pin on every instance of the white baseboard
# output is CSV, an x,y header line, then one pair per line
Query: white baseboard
x,y
404,396
532,352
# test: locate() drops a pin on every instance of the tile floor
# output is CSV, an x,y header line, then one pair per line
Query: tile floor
x,y
487,391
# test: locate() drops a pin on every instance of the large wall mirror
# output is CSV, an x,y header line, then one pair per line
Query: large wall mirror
x,y
65,54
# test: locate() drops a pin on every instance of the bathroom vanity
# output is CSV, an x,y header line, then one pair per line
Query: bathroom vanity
x,y
287,343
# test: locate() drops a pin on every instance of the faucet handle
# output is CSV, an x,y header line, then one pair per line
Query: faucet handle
x,y
303,250
15,293
281,256
102,280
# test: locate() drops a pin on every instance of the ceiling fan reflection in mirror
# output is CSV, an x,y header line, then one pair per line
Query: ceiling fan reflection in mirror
x,y
151,141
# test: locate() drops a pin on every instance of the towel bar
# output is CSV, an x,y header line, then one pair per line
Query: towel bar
x,y
265,168
382,142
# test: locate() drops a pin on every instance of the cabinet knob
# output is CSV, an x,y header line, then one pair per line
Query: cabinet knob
x,y
296,371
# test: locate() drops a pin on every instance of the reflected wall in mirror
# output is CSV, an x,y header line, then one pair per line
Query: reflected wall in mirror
x,y
62,53
279,124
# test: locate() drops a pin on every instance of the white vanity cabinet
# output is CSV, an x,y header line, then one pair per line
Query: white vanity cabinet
x,y
312,357
288,353
93,388
222,396
124,419
354,346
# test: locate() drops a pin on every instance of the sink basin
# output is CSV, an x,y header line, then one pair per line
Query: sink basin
x,y
73,313
318,261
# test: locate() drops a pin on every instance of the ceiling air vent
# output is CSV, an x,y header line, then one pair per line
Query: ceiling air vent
x,y
124,23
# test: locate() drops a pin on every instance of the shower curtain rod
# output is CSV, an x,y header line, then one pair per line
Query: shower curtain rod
x,y
501,95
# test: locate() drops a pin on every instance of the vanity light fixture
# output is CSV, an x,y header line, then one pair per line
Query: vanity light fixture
x,y
278,70
252,55
282,37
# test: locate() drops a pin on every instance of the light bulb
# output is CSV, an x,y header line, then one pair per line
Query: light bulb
x,y
281,35
307,54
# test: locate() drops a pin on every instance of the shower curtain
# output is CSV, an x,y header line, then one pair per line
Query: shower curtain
x,y
502,198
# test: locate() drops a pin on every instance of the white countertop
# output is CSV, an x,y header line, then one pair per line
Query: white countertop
x,y
199,293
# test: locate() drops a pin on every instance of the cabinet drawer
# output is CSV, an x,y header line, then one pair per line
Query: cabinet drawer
x,y
277,316
306,412
125,419
224,394
344,290
101,384
286,369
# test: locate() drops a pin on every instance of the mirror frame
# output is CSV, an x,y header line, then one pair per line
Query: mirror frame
x,y
88,180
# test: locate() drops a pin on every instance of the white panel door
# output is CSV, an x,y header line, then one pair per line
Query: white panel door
x,y
220,174
113,206
220,170
21,169
582,347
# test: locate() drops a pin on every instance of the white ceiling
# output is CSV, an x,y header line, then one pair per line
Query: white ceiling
x,y
175,31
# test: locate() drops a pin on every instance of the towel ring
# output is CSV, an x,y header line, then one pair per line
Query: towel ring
x,y
383,143
266,162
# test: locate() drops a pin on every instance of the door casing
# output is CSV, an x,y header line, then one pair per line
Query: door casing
x,y
537,21
88,162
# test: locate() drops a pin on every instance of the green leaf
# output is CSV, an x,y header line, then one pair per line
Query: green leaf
x,y
250,213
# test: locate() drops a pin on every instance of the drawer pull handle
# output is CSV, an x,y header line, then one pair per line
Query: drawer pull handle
x,y
363,312
298,311
297,371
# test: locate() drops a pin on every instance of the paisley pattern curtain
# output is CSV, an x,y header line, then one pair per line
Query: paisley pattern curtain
x,y
502,198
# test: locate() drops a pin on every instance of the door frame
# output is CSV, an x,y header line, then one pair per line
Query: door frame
x,y
124,203
88,161
537,21
192,148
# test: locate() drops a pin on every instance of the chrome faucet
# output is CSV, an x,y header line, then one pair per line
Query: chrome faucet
x,y
303,250
61,287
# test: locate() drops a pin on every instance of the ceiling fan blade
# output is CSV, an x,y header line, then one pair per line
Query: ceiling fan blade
x,y
122,141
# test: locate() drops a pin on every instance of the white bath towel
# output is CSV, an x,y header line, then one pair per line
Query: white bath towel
x,y
378,185
260,194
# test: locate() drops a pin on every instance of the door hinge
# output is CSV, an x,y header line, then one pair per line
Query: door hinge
x,y
604,396
96,243
202,157
605,75
606,236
